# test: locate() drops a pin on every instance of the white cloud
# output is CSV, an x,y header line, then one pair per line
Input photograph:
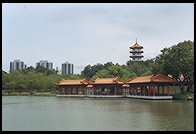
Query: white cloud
x,y
85,34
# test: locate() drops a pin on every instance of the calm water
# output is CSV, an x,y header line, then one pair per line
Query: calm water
x,y
96,114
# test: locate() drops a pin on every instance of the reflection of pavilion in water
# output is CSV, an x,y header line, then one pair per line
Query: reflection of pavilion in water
x,y
146,87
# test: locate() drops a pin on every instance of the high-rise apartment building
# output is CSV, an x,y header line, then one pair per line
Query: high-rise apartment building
x,y
67,68
46,64
17,65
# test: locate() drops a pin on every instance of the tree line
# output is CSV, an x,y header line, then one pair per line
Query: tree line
x,y
33,79
177,61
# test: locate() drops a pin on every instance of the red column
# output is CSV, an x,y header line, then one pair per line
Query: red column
x,y
144,90
168,91
107,90
71,90
115,90
83,90
158,90
149,91
140,90
77,90
163,90
100,90
154,91
65,90
133,90
93,92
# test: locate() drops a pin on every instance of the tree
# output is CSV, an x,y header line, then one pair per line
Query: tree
x,y
4,74
28,69
89,71
41,69
10,82
108,64
114,71
102,74
140,68
178,61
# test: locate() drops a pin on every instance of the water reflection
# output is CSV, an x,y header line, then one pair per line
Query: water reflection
x,y
86,114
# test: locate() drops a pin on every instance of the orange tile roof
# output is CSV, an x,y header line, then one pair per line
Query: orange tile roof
x,y
73,82
162,78
136,46
108,81
152,78
143,79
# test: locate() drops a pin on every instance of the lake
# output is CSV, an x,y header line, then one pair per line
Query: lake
x,y
31,113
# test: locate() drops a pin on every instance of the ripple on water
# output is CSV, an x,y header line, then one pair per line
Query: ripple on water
x,y
85,114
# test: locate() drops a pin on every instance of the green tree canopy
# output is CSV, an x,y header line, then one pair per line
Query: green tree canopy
x,y
178,61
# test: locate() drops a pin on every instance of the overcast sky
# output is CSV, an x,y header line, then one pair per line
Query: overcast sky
x,y
84,34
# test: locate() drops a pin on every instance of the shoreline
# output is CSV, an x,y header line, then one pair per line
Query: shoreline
x,y
188,96
47,94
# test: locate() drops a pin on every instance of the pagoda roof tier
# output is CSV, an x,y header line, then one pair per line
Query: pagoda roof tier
x,y
159,78
100,81
136,56
138,51
72,82
136,46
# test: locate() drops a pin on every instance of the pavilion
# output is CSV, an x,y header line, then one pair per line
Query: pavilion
x,y
150,87
106,87
145,87
72,87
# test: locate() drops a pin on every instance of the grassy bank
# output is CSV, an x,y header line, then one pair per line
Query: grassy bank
x,y
187,96
28,94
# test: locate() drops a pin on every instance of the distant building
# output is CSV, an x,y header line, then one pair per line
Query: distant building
x,y
67,68
136,52
46,64
17,65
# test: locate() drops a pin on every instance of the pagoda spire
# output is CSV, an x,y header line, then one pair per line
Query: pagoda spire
x,y
136,52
